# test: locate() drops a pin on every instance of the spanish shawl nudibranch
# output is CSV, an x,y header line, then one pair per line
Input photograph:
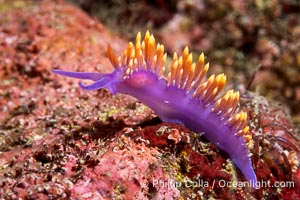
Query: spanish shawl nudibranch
x,y
183,97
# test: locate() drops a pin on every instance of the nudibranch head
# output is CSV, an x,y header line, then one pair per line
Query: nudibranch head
x,y
184,96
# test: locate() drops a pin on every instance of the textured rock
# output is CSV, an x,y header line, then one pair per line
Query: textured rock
x,y
60,142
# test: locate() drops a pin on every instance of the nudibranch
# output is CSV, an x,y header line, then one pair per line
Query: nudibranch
x,y
184,96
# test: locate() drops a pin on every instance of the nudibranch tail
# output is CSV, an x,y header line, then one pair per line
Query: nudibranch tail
x,y
185,96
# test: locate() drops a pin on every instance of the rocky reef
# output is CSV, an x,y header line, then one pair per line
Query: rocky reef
x,y
60,142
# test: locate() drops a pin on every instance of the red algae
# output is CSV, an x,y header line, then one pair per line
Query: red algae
x,y
60,142
125,169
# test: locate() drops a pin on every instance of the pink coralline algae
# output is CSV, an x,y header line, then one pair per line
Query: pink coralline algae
x,y
61,142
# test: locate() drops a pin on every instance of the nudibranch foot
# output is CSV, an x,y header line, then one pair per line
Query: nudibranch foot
x,y
184,96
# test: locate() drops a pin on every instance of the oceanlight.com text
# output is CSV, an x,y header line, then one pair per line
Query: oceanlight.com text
x,y
220,183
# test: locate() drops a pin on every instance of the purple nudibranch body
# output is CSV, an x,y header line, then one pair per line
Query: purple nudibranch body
x,y
183,97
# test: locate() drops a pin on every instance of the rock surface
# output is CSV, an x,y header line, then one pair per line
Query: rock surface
x,y
60,142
